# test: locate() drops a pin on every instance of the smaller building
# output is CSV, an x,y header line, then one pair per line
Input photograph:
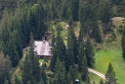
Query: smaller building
x,y
42,49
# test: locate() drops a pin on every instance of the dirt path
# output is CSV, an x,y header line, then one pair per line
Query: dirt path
x,y
97,73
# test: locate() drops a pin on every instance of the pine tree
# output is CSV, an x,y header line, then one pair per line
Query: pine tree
x,y
87,17
104,13
84,74
81,54
27,70
64,8
75,10
71,46
89,52
60,46
5,31
60,73
59,50
31,64
96,33
35,63
53,59
43,76
13,54
110,75
71,75
37,20
36,70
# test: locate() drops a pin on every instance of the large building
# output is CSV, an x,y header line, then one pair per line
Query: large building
x,y
42,48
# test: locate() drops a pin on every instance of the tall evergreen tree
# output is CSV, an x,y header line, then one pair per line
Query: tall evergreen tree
x,y
60,46
110,75
104,13
13,54
89,52
71,46
37,20
35,63
81,54
87,18
60,73
4,31
59,50
75,9
71,75
53,59
96,33
64,9
43,76
84,74
27,70
34,68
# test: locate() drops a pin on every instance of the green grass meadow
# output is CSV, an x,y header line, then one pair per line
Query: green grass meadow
x,y
113,56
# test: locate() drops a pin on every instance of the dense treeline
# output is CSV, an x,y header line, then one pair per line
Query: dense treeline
x,y
69,62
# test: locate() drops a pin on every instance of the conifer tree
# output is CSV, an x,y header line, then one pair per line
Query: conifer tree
x,y
59,50
32,61
75,9
89,52
60,73
37,20
110,75
4,31
35,63
43,76
53,59
104,13
27,70
64,9
96,33
60,46
84,74
36,70
71,46
72,75
13,54
87,18
81,54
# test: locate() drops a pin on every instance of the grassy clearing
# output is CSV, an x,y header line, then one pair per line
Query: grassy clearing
x,y
104,57
94,78
41,60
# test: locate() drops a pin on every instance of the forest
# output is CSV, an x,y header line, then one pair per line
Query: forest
x,y
88,39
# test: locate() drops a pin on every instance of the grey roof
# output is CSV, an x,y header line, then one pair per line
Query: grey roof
x,y
42,48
